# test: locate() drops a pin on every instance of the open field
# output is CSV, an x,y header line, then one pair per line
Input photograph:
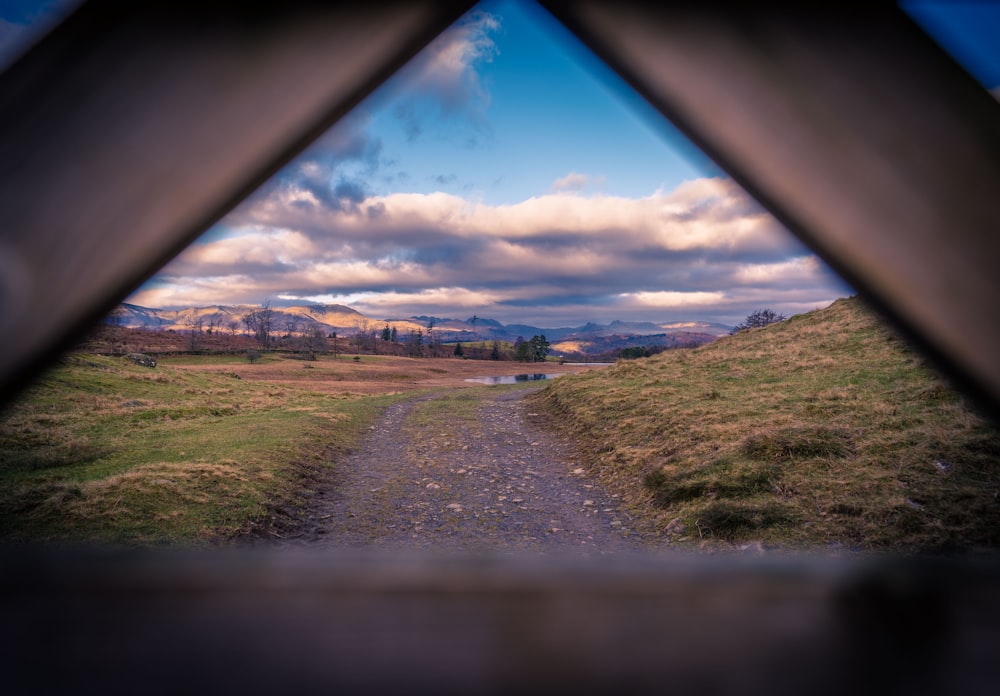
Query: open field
x,y
194,449
821,431
371,375
824,430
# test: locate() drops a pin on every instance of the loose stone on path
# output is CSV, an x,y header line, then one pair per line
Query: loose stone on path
x,y
495,482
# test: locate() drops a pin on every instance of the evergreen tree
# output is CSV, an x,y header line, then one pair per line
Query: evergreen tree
x,y
539,348
520,349
534,350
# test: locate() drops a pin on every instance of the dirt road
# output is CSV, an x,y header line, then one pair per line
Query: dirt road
x,y
468,469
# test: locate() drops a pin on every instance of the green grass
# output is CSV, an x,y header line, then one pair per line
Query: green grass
x,y
103,450
821,430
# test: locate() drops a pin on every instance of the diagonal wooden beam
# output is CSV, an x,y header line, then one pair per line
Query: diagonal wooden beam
x,y
135,125
856,130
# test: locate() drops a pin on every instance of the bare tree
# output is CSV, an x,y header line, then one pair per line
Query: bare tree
x,y
758,318
432,340
415,344
364,338
250,321
196,327
258,323
314,341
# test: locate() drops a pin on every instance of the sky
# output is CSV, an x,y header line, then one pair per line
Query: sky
x,y
507,173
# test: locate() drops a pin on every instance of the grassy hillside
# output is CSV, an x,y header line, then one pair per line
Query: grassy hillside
x,y
101,449
824,430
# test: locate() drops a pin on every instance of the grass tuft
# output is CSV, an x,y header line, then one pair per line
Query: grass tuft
x,y
787,444
736,521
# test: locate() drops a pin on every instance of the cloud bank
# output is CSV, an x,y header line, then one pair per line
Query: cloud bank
x,y
704,249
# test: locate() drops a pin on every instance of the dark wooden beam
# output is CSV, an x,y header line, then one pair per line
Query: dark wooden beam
x,y
856,130
133,126
360,622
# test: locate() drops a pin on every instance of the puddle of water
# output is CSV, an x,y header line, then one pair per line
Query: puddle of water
x,y
514,379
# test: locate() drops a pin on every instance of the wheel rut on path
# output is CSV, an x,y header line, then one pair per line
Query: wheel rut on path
x,y
491,478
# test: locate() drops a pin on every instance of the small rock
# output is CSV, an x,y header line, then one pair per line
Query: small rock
x,y
588,503
676,526
457,507
577,471
141,359
432,486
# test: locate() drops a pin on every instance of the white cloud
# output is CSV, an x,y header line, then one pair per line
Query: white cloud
x,y
670,299
256,246
443,80
574,181
708,213
783,272
704,247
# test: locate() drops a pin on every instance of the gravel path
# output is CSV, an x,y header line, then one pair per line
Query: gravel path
x,y
492,479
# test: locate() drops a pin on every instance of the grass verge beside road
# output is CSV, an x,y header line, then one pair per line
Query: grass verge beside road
x,y
821,431
104,450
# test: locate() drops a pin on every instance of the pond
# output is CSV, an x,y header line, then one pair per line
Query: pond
x,y
514,379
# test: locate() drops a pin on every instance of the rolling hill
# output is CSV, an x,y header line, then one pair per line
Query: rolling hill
x,y
824,430
590,338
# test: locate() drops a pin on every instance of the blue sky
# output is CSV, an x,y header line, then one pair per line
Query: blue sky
x,y
507,173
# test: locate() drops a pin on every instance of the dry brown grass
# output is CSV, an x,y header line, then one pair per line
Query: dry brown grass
x,y
103,450
371,375
194,449
824,430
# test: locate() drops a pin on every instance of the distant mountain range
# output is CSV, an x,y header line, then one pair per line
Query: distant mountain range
x,y
590,338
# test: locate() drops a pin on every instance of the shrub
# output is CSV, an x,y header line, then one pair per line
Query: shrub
x,y
758,318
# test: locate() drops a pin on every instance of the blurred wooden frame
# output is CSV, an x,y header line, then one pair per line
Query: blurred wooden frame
x,y
134,126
